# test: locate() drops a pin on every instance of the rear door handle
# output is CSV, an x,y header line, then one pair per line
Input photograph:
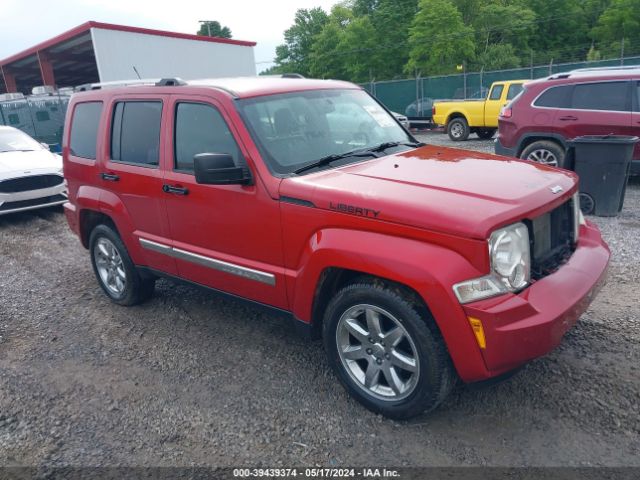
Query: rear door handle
x,y
568,118
110,177
175,190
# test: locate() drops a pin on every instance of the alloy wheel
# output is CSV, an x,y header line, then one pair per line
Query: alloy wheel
x,y
109,265
377,352
543,156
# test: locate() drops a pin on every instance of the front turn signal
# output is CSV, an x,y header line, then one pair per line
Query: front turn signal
x,y
478,331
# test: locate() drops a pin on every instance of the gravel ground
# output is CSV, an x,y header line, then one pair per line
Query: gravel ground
x,y
192,379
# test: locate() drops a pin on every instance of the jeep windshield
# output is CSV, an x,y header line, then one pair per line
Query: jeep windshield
x,y
301,131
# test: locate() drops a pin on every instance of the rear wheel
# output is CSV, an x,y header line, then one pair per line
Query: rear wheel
x,y
114,269
545,152
380,346
458,129
485,133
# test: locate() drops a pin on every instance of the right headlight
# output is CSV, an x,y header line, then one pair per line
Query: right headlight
x,y
509,252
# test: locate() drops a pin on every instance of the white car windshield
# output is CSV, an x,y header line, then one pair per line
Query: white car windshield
x,y
295,129
12,140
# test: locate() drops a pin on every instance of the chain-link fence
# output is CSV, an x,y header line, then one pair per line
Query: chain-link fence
x,y
41,116
414,97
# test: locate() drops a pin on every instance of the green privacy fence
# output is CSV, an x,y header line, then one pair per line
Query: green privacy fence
x,y
41,116
414,97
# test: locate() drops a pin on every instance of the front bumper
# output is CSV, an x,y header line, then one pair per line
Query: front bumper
x,y
521,327
32,199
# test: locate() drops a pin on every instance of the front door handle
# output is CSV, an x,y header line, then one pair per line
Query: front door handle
x,y
175,190
568,118
110,177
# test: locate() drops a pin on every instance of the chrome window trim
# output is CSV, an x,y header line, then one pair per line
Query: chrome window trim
x,y
533,105
213,263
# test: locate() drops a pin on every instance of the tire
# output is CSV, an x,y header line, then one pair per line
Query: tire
x,y
546,152
418,346
485,133
458,129
116,273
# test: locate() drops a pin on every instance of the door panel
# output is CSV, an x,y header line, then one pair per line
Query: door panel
x,y
226,237
131,172
596,109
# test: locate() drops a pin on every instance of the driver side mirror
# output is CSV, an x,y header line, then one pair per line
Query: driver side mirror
x,y
219,169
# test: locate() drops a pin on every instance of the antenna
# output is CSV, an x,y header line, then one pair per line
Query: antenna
x,y
136,70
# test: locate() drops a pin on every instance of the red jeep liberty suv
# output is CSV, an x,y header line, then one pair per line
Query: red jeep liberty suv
x,y
417,264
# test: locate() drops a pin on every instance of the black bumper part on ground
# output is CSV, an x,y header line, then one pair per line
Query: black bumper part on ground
x,y
504,151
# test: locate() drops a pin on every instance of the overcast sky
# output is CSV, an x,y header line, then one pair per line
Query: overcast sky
x,y
27,22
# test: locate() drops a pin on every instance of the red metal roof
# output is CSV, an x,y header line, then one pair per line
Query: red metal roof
x,y
85,27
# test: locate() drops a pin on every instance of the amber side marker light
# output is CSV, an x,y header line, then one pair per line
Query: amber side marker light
x,y
476,325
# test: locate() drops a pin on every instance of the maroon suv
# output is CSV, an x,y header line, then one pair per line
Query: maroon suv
x,y
538,124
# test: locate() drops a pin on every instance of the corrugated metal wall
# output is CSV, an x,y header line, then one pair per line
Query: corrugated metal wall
x,y
117,52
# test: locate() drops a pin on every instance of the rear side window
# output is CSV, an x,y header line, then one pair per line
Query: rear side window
x,y
135,133
201,129
555,97
496,92
514,90
84,129
610,96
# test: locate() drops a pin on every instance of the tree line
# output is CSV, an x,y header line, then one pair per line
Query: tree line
x,y
365,40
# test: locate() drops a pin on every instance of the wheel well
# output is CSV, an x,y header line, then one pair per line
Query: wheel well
x,y
456,115
333,279
529,140
90,219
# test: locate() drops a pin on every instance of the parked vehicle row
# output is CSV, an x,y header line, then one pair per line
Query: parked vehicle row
x,y
538,124
418,265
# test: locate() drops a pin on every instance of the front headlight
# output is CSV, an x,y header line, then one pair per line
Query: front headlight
x,y
509,252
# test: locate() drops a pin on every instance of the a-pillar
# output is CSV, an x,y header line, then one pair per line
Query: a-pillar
x,y
9,80
46,69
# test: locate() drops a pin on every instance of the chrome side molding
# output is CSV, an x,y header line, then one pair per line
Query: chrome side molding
x,y
215,264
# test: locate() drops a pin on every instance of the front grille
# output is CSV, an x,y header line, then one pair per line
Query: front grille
x,y
32,203
552,241
34,182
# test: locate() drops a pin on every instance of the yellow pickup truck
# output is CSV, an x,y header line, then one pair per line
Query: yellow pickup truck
x,y
475,116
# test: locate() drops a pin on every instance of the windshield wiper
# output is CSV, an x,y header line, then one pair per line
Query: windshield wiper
x,y
383,146
332,158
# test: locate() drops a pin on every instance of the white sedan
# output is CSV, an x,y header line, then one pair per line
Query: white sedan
x,y
30,175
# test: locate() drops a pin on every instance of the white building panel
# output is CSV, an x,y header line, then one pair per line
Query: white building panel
x,y
155,56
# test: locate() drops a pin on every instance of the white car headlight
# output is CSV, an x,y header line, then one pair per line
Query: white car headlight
x,y
509,252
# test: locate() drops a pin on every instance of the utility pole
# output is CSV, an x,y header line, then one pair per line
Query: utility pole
x,y
208,23
622,51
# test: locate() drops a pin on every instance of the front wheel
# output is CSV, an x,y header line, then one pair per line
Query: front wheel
x,y
114,269
458,129
386,350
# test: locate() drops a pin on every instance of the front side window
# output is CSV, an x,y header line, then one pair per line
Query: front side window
x,y
84,129
135,132
200,128
611,96
296,129
496,92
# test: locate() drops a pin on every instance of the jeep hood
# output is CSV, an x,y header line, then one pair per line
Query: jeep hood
x,y
437,188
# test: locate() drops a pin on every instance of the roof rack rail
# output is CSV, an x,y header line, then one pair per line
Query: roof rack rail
x,y
170,82
158,82
601,69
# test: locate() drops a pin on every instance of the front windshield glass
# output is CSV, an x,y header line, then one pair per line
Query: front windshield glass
x,y
295,129
12,140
